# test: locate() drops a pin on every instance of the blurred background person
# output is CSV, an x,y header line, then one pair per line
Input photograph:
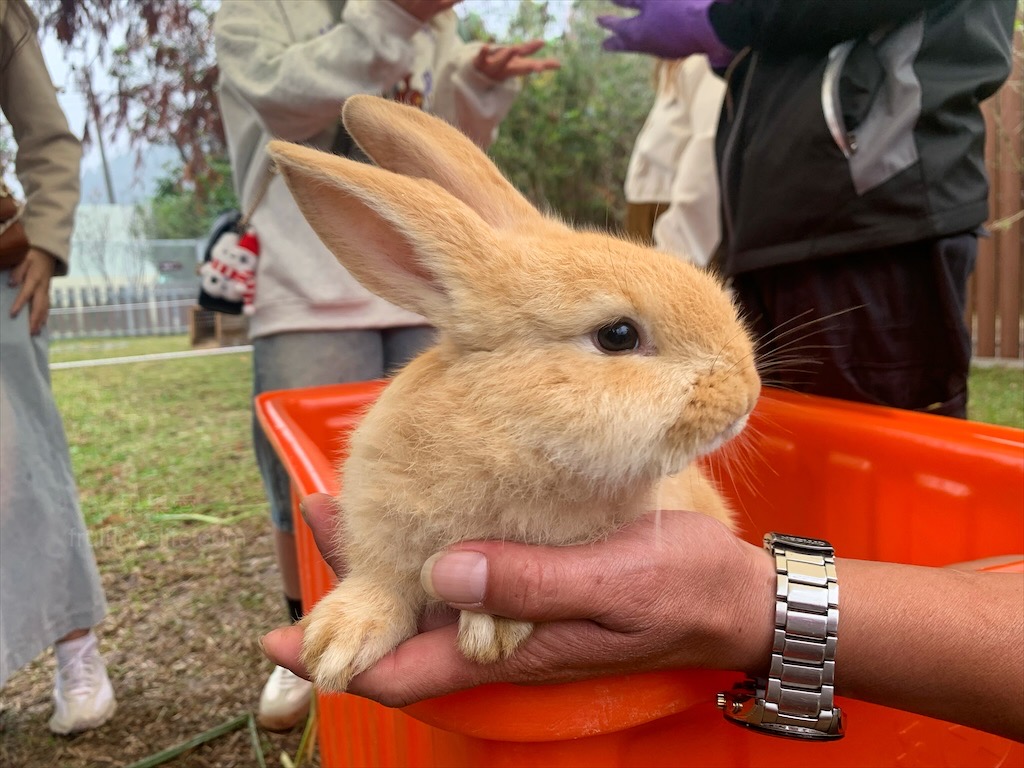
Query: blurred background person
x,y
286,68
671,182
51,587
851,163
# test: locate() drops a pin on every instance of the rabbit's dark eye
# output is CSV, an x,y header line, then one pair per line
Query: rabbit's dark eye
x,y
617,336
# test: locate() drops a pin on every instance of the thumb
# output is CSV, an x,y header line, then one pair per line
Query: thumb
x,y
614,44
529,583
283,646
622,32
611,23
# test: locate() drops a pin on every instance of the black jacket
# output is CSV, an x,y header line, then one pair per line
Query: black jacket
x,y
852,125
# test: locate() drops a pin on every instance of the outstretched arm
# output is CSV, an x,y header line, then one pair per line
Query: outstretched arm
x,y
676,590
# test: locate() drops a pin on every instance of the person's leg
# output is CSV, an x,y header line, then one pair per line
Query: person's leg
x,y
290,361
884,327
44,535
950,351
403,344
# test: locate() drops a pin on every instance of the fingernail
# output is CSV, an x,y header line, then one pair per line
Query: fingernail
x,y
263,647
455,577
302,510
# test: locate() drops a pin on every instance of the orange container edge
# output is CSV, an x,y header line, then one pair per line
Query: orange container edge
x,y
563,725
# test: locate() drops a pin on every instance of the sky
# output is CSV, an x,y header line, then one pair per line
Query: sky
x,y
496,15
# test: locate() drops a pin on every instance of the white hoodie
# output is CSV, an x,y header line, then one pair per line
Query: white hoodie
x,y
286,67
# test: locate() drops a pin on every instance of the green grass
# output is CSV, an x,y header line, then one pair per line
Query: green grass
x,y
160,438
996,396
100,349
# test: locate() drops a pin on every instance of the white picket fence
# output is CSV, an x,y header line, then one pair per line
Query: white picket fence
x,y
82,311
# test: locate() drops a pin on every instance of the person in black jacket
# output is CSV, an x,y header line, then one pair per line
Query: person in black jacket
x,y
851,163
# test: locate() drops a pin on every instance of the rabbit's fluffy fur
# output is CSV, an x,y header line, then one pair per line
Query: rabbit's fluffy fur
x,y
517,424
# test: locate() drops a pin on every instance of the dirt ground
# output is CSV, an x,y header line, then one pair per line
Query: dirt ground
x,y
181,647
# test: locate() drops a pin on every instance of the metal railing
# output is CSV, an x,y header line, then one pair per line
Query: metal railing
x,y
126,310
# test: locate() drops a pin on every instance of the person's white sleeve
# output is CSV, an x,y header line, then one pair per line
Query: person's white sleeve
x,y
655,156
467,99
296,87
691,228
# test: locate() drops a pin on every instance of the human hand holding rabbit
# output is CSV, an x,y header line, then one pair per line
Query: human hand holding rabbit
x,y
695,596
672,590
577,380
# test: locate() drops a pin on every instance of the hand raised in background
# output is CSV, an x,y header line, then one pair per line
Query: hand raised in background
x,y
503,62
497,62
670,29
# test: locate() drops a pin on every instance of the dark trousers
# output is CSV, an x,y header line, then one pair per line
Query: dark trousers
x,y
883,327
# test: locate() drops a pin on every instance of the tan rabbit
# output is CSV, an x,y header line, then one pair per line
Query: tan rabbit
x,y
574,372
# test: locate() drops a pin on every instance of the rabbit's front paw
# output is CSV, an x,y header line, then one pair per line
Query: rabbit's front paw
x,y
350,630
485,639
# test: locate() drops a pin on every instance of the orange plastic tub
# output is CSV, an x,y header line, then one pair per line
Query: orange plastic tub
x,y
878,483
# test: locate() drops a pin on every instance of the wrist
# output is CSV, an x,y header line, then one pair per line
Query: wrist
x,y
46,259
745,629
718,52
731,25
797,697
760,611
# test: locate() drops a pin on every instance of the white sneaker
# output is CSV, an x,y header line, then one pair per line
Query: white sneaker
x,y
285,700
83,697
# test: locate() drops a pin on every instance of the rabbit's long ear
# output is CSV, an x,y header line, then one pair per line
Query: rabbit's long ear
x,y
408,141
404,239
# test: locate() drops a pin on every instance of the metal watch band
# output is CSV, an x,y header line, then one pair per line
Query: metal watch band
x,y
797,698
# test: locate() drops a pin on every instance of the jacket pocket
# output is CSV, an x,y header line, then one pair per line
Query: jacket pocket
x,y
871,102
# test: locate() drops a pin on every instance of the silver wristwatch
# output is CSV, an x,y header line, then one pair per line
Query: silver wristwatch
x,y
797,698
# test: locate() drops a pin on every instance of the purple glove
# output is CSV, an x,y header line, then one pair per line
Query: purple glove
x,y
671,29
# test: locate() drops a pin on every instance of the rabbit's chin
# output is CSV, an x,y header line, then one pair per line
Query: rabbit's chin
x,y
679,461
725,436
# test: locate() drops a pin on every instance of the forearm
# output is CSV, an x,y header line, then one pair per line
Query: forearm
x,y
939,642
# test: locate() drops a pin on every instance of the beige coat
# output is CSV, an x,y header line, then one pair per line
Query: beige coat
x,y
48,155
673,160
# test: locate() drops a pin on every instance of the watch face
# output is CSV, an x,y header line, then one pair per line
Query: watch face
x,y
797,542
